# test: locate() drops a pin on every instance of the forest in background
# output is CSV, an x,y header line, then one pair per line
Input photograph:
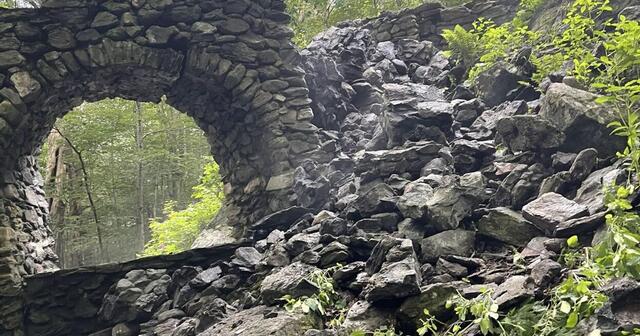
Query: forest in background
x,y
112,166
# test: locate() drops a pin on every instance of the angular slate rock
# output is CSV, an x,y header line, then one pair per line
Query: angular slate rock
x,y
452,242
290,280
551,209
281,220
507,226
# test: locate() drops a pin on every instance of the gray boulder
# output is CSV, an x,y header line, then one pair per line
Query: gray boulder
x,y
281,220
620,312
394,269
261,321
548,211
408,159
583,121
495,84
453,242
452,202
508,226
514,290
290,280
591,192
364,316
413,203
432,297
528,132
377,199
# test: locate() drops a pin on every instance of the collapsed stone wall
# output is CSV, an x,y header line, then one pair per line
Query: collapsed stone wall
x,y
423,189
69,302
228,64
426,22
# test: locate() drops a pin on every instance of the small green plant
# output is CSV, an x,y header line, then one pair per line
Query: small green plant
x,y
486,43
577,297
327,303
526,10
429,324
619,251
383,331
481,311
582,34
464,45
546,64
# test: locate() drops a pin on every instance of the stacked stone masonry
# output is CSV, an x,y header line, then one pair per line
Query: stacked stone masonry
x,y
228,64
364,149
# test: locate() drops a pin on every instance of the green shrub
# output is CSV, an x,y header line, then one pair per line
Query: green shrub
x,y
181,228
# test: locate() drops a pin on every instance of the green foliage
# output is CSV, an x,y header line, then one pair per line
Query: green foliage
x,y
499,43
463,44
429,324
308,18
522,320
481,311
526,9
487,43
577,41
327,303
384,331
180,228
619,251
546,64
576,298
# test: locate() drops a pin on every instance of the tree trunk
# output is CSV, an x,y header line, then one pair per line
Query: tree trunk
x,y
104,256
141,218
55,180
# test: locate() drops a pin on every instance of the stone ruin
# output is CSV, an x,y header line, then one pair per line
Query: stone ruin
x,y
360,149
228,64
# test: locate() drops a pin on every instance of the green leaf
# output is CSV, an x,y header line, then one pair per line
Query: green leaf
x,y
572,320
565,307
485,325
573,242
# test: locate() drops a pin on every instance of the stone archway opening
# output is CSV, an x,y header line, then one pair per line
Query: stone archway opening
x,y
113,168
230,65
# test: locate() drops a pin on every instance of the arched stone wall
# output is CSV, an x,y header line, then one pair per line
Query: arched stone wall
x,y
227,63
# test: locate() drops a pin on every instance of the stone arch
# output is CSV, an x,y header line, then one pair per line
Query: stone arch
x,y
227,63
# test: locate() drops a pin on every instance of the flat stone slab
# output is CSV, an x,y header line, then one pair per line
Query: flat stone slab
x,y
508,226
551,209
